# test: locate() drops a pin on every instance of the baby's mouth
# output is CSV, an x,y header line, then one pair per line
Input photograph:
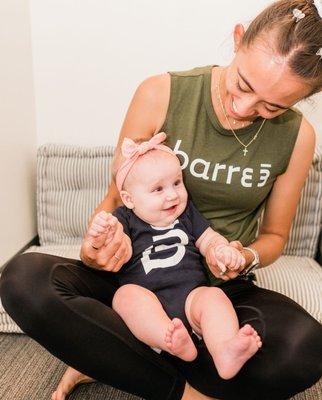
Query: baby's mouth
x,y
172,208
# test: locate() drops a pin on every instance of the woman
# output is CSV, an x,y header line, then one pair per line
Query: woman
x,y
241,147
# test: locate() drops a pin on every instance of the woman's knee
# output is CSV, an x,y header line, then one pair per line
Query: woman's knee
x,y
303,349
25,287
291,361
17,277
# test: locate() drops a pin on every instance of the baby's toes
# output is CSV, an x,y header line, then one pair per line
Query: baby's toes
x,y
176,323
248,329
255,334
171,327
167,339
167,336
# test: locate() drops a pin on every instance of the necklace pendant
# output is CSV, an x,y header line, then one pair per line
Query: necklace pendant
x,y
245,151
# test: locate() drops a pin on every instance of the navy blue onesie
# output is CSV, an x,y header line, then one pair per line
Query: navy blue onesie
x,y
165,260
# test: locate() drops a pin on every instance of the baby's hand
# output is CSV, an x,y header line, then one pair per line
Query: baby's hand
x,y
228,257
102,229
105,245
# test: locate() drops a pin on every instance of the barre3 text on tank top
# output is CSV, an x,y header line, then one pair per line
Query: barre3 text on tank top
x,y
200,168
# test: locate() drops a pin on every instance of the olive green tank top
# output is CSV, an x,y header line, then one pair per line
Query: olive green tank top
x,y
228,188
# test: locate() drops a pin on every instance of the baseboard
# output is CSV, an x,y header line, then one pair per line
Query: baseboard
x,y
33,242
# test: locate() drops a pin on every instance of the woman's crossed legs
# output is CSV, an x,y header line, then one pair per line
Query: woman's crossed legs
x,y
66,308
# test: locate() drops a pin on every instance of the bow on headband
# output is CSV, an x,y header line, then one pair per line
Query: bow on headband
x,y
132,151
298,14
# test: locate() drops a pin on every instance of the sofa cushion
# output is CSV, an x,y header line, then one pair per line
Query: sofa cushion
x,y
299,278
306,227
71,181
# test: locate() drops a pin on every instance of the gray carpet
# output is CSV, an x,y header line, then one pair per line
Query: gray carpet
x,y
28,372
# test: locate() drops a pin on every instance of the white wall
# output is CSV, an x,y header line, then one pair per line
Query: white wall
x,y
90,55
87,57
17,129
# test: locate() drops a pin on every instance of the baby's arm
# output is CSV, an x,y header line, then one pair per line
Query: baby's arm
x,y
103,226
226,256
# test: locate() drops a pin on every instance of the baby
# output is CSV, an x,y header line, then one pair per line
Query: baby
x,y
163,292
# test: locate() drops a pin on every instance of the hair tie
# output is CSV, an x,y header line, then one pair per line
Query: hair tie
x,y
132,151
318,5
319,53
298,14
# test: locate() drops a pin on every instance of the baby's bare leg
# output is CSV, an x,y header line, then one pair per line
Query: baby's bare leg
x,y
212,315
145,317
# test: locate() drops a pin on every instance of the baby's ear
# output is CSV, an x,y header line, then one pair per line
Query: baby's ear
x,y
127,199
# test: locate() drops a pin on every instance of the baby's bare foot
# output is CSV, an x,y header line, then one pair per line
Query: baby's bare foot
x,y
231,355
68,382
179,342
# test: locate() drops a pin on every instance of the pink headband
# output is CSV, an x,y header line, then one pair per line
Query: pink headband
x,y
132,151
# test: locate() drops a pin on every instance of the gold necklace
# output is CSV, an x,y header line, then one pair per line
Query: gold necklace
x,y
245,151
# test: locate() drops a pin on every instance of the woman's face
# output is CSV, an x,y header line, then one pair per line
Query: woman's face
x,y
259,83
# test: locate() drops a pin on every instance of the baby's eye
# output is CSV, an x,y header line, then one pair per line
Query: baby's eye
x,y
158,189
176,183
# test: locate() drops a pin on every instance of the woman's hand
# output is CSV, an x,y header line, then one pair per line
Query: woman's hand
x,y
220,269
105,245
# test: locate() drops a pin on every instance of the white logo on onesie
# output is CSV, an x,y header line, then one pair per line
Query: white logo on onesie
x,y
149,264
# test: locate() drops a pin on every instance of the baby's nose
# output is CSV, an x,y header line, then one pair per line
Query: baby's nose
x,y
171,195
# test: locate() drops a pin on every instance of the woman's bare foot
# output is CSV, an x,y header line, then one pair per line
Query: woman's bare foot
x,y
179,342
232,354
68,382
192,394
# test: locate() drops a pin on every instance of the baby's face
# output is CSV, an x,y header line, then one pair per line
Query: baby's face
x,y
156,188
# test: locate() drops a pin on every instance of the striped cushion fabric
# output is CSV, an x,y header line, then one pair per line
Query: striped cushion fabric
x,y
7,325
299,278
71,181
304,235
68,251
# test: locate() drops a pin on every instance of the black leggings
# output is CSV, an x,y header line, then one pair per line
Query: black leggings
x,y
66,307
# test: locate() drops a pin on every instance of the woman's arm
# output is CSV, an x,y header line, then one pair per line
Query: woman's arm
x,y
145,116
282,202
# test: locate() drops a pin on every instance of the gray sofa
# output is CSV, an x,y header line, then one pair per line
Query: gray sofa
x,y
71,180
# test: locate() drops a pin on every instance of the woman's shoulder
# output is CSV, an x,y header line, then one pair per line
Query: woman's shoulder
x,y
153,84
292,114
152,96
287,125
196,71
